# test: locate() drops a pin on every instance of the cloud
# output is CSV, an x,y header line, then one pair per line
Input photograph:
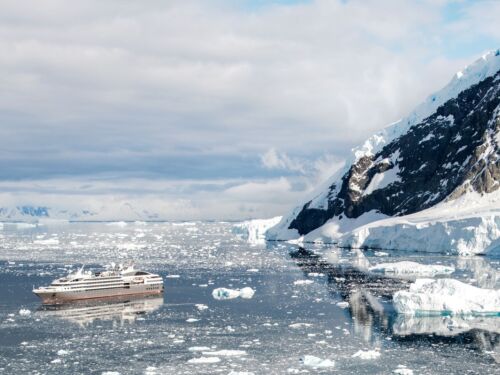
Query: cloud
x,y
274,160
230,91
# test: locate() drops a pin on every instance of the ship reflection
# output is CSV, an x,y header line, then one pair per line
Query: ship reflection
x,y
118,311
374,319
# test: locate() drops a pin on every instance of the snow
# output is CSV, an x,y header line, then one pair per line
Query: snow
x,y
366,354
465,226
484,67
254,231
411,268
316,362
225,294
446,296
382,180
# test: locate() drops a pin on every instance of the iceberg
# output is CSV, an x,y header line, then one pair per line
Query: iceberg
x,y
316,362
254,231
225,294
366,354
407,268
446,297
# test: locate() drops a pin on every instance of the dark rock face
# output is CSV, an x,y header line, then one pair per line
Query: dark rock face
x,y
453,150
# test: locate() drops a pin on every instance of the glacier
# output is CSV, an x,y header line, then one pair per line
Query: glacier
x,y
254,231
446,297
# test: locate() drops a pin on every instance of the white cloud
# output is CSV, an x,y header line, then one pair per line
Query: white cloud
x,y
190,89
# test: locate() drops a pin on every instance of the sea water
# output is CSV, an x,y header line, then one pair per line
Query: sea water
x,y
315,309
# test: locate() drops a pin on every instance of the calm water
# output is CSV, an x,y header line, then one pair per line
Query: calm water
x,y
297,308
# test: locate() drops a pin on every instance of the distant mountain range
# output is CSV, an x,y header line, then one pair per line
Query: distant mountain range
x,y
427,182
29,213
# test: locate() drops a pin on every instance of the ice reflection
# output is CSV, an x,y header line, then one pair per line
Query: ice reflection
x,y
370,303
118,311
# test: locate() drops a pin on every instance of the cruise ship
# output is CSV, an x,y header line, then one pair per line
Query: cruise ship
x,y
116,281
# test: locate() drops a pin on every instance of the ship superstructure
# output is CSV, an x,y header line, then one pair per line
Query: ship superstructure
x,y
112,282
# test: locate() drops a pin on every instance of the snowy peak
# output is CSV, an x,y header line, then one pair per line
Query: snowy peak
x,y
484,67
447,147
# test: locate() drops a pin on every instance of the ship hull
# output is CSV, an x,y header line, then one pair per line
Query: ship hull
x,y
50,297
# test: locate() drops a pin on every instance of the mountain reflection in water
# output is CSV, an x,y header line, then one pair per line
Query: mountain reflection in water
x,y
119,311
370,304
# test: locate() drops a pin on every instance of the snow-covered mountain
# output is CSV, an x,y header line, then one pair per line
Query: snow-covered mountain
x,y
427,182
34,213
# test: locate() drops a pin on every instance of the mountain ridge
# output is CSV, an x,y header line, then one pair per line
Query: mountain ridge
x,y
447,147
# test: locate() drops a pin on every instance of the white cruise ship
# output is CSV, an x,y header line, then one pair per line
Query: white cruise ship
x,y
113,282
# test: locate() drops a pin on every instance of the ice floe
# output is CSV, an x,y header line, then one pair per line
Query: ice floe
x,y
303,282
226,353
225,294
202,360
446,296
316,362
366,354
407,268
25,312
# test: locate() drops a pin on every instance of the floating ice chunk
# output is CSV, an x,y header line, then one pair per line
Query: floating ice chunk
x,y
172,276
241,373
199,348
201,306
192,320
300,325
25,312
381,254
402,370
446,296
226,353
412,268
343,304
253,270
366,354
224,293
316,362
110,373
62,352
204,360
302,282
57,360
247,293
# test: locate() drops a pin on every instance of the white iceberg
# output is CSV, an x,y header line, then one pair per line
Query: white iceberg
x,y
225,294
316,362
226,353
25,312
204,360
366,354
254,231
446,297
407,268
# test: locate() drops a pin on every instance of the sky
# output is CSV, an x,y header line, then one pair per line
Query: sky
x,y
212,109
